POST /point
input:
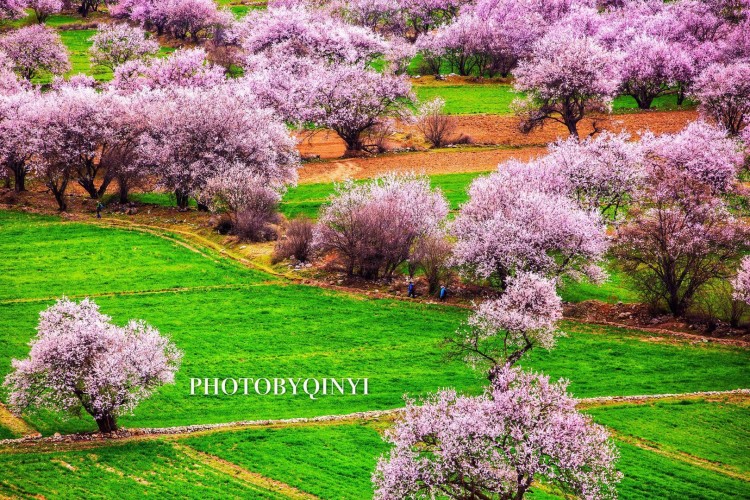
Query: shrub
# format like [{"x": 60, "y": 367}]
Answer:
[
  {"x": 296, "y": 242},
  {"x": 434, "y": 124}
]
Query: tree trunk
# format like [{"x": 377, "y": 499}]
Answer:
[
  {"x": 123, "y": 189},
  {"x": 106, "y": 423},
  {"x": 182, "y": 199}
]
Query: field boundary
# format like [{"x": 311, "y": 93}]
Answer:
[{"x": 364, "y": 416}]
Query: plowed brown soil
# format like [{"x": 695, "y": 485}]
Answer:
[{"x": 482, "y": 129}]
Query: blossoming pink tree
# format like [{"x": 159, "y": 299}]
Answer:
[
  {"x": 511, "y": 225},
  {"x": 680, "y": 234},
  {"x": 501, "y": 331},
  {"x": 19, "y": 136},
  {"x": 45, "y": 8},
  {"x": 185, "y": 68},
  {"x": 723, "y": 91},
  {"x": 35, "y": 49},
  {"x": 9, "y": 81},
  {"x": 567, "y": 76},
  {"x": 115, "y": 44},
  {"x": 194, "y": 133},
  {"x": 80, "y": 360},
  {"x": 371, "y": 228},
  {"x": 741, "y": 282},
  {"x": 12, "y": 9},
  {"x": 523, "y": 429},
  {"x": 193, "y": 19}
]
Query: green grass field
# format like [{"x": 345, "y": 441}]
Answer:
[
  {"x": 234, "y": 328},
  {"x": 496, "y": 99},
  {"x": 692, "y": 449}
]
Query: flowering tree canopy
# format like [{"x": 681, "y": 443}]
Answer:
[
  {"x": 523, "y": 429},
  {"x": 12, "y": 9},
  {"x": 19, "y": 135},
  {"x": 567, "y": 76},
  {"x": 741, "y": 282},
  {"x": 81, "y": 360},
  {"x": 196, "y": 133},
  {"x": 185, "y": 68},
  {"x": 35, "y": 49},
  {"x": 510, "y": 225},
  {"x": 724, "y": 93},
  {"x": 372, "y": 227},
  {"x": 45, "y": 8},
  {"x": 502, "y": 330},
  {"x": 181, "y": 18},
  {"x": 680, "y": 233},
  {"x": 116, "y": 44}
]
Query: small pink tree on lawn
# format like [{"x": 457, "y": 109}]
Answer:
[
  {"x": 116, "y": 44},
  {"x": 19, "y": 136},
  {"x": 568, "y": 76},
  {"x": 45, "y": 8},
  {"x": 502, "y": 330},
  {"x": 35, "y": 49},
  {"x": 80, "y": 360},
  {"x": 523, "y": 429}
]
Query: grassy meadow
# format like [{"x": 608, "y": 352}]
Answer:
[{"x": 235, "y": 322}]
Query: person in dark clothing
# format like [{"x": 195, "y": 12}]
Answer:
[
  {"x": 443, "y": 292},
  {"x": 99, "y": 208},
  {"x": 410, "y": 290}
]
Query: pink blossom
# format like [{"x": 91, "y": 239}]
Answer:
[
  {"x": 524, "y": 428},
  {"x": 741, "y": 282},
  {"x": 567, "y": 76},
  {"x": 183, "y": 68},
  {"x": 724, "y": 93},
  {"x": 12, "y": 9},
  {"x": 79, "y": 360},
  {"x": 35, "y": 49},
  {"x": 116, "y": 44},
  {"x": 45, "y": 8}
]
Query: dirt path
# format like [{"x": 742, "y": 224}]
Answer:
[
  {"x": 265, "y": 484},
  {"x": 85, "y": 441},
  {"x": 503, "y": 130},
  {"x": 442, "y": 161}
]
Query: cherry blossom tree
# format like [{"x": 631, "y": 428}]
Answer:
[
  {"x": 84, "y": 7},
  {"x": 679, "y": 236},
  {"x": 650, "y": 67},
  {"x": 724, "y": 93},
  {"x": 523, "y": 429},
  {"x": 193, "y": 19},
  {"x": 305, "y": 33},
  {"x": 600, "y": 172},
  {"x": 431, "y": 253},
  {"x": 19, "y": 136},
  {"x": 567, "y": 76},
  {"x": 75, "y": 127},
  {"x": 702, "y": 151},
  {"x": 372, "y": 227},
  {"x": 80, "y": 360},
  {"x": 741, "y": 282},
  {"x": 35, "y": 49},
  {"x": 116, "y": 44},
  {"x": 12, "y": 9},
  {"x": 185, "y": 68},
  {"x": 195, "y": 133},
  {"x": 511, "y": 225},
  {"x": 45, "y": 8},
  {"x": 503, "y": 330},
  {"x": 9, "y": 81}
]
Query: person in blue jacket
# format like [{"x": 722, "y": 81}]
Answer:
[
  {"x": 410, "y": 289},
  {"x": 443, "y": 292}
]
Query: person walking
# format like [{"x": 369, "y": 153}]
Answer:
[
  {"x": 443, "y": 292},
  {"x": 99, "y": 208},
  {"x": 410, "y": 290}
]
